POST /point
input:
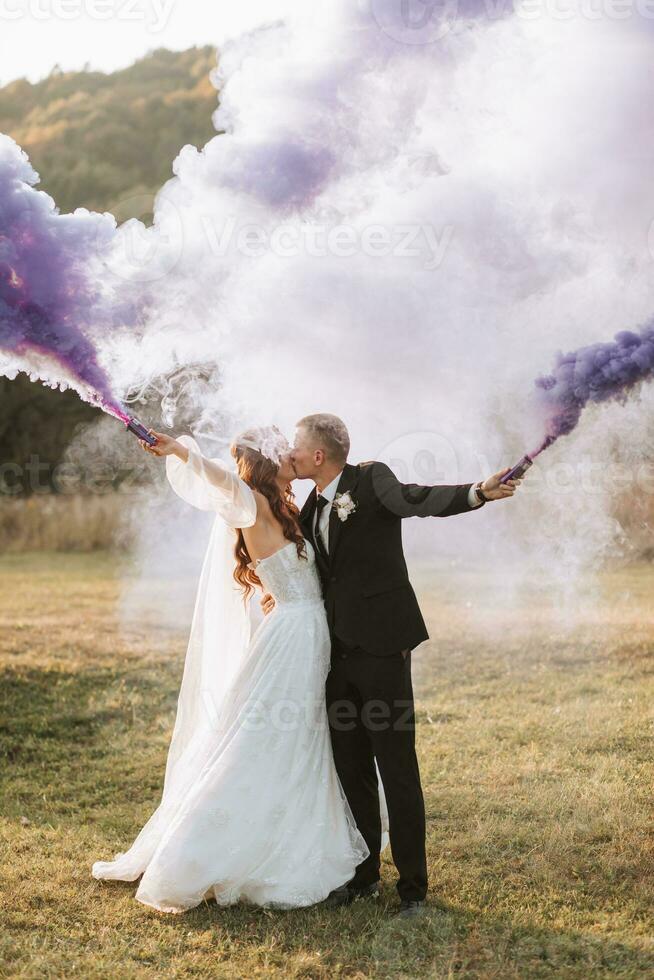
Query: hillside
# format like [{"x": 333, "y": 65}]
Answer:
[{"x": 97, "y": 139}]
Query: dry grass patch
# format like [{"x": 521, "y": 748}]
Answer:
[{"x": 535, "y": 751}]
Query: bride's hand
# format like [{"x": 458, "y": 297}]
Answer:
[
  {"x": 267, "y": 603},
  {"x": 165, "y": 446}
]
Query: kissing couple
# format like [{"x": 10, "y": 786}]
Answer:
[{"x": 271, "y": 792}]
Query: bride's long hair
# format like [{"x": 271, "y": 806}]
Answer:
[{"x": 260, "y": 472}]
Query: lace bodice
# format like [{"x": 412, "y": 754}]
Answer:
[{"x": 288, "y": 577}]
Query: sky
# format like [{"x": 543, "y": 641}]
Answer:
[{"x": 36, "y": 35}]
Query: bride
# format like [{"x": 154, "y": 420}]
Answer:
[{"x": 252, "y": 808}]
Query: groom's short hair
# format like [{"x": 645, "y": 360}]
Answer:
[{"x": 331, "y": 432}]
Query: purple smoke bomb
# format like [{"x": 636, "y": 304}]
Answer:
[
  {"x": 520, "y": 468},
  {"x": 133, "y": 425},
  {"x": 51, "y": 302},
  {"x": 593, "y": 374}
]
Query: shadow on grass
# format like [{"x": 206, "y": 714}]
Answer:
[
  {"x": 67, "y": 707},
  {"x": 444, "y": 942},
  {"x": 77, "y": 738}
]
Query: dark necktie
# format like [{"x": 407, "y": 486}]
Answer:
[{"x": 320, "y": 544}]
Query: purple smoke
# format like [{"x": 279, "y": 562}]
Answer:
[
  {"x": 50, "y": 304},
  {"x": 597, "y": 373}
]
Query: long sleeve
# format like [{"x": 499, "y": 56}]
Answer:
[
  {"x": 208, "y": 485},
  {"x": 472, "y": 498},
  {"x": 413, "y": 500}
]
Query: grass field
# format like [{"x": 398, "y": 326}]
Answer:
[{"x": 536, "y": 754}]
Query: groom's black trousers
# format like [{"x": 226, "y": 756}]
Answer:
[{"x": 371, "y": 716}]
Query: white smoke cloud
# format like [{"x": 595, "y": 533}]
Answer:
[{"x": 404, "y": 234}]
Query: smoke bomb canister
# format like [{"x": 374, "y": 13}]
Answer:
[
  {"x": 519, "y": 469},
  {"x": 140, "y": 430}
]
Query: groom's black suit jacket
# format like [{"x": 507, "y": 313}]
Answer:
[{"x": 368, "y": 597}]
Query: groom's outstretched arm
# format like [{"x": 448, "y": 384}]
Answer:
[{"x": 414, "y": 500}]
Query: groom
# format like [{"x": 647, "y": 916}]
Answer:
[{"x": 353, "y": 518}]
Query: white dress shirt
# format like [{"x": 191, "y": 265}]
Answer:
[{"x": 330, "y": 492}]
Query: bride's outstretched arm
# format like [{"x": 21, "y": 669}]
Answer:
[{"x": 202, "y": 482}]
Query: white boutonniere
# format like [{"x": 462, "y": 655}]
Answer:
[{"x": 344, "y": 505}]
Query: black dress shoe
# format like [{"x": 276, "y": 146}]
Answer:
[
  {"x": 410, "y": 908},
  {"x": 347, "y": 894}
]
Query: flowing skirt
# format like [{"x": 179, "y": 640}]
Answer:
[{"x": 258, "y": 813}]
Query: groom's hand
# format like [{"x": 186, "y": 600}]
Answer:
[
  {"x": 267, "y": 603},
  {"x": 495, "y": 489}
]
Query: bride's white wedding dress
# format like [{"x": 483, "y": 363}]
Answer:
[{"x": 252, "y": 808}]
